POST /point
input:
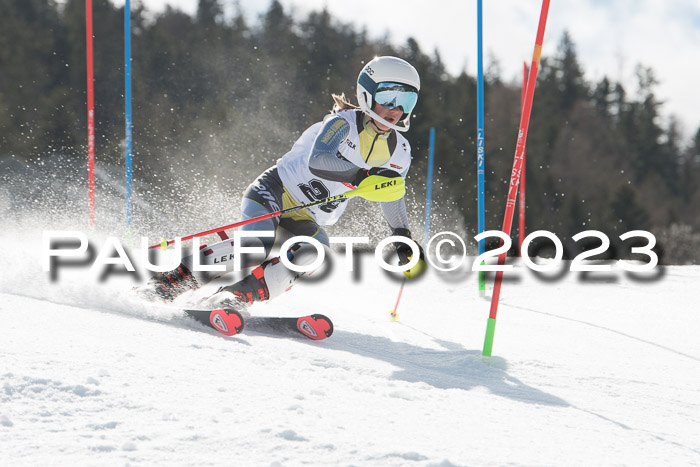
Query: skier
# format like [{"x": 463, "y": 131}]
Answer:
[{"x": 331, "y": 157}]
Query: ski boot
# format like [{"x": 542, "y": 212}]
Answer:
[
  {"x": 241, "y": 295},
  {"x": 167, "y": 286}
]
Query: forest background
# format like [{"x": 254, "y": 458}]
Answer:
[{"x": 216, "y": 100}]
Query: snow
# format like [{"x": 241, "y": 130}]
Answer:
[{"x": 597, "y": 369}]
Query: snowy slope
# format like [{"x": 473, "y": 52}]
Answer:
[{"x": 601, "y": 371}]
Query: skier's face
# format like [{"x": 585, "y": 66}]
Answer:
[{"x": 390, "y": 115}]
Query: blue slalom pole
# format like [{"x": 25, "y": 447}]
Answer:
[
  {"x": 480, "y": 154},
  {"x": 429, "y": 192},
  {"x": 127, "y": 106}
]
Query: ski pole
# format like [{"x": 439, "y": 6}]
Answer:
[
  {"x": 394, "y": 316},
  {"x": 373, "y": 188}
]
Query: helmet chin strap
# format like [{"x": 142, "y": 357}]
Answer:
[
  {"x": 375, "y": 126},
  {"x": 374, "y": 116}
]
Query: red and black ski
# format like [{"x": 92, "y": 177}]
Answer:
[
  {"x": 230, "y": 322},
  {"x": 314, "y": 327},
  {"x": 227, "y": 321}
]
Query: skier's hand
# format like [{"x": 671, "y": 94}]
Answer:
[
  {"x": 380, "y": 171},
  {"x": 379, "y": 184},
  {"x": 405, "y": 254}
]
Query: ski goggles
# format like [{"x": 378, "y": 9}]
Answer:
[{"x": 392, "y": 95}]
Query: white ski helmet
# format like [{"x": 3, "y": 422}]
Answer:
[{"x": 391, "y": 82}]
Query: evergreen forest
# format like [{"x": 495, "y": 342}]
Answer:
[{"x": 229, "y": 96}]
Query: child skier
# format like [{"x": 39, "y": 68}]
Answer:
[{"x": 330, "y": 158}]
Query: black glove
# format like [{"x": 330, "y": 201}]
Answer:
[
  {"x": 381, "y": 171},
  {"x": 403, "y": 250}
]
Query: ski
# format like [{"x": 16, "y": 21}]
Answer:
[
  {"x": 314, "y": 327},
  {"x": 230, "y": 322},
  {"x": 227, "y": 321}
]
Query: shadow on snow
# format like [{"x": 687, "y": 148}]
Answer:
[{"x": 452, "y": 368}]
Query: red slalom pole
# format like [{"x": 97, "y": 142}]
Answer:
[
  {"x": 515, "y": 174},
  {"x": 90, "y": 114},
  {"x": 521, "y": 198}
]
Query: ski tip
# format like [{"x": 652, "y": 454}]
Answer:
[
  {"x": 227, "y": 321},
  {"x": 315, "y": 327}
]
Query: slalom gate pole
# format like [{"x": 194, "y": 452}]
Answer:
[
  {"x": 521, "y": 197},
  {"x": 127, "y": 107},
  {"x": 370, "y": 191},
  {"x": 90, "y": 114},
  {"x": 515, "y": 175},
  {"x": 480, "y": 154},
  {"x": 429, "y": 189}
]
